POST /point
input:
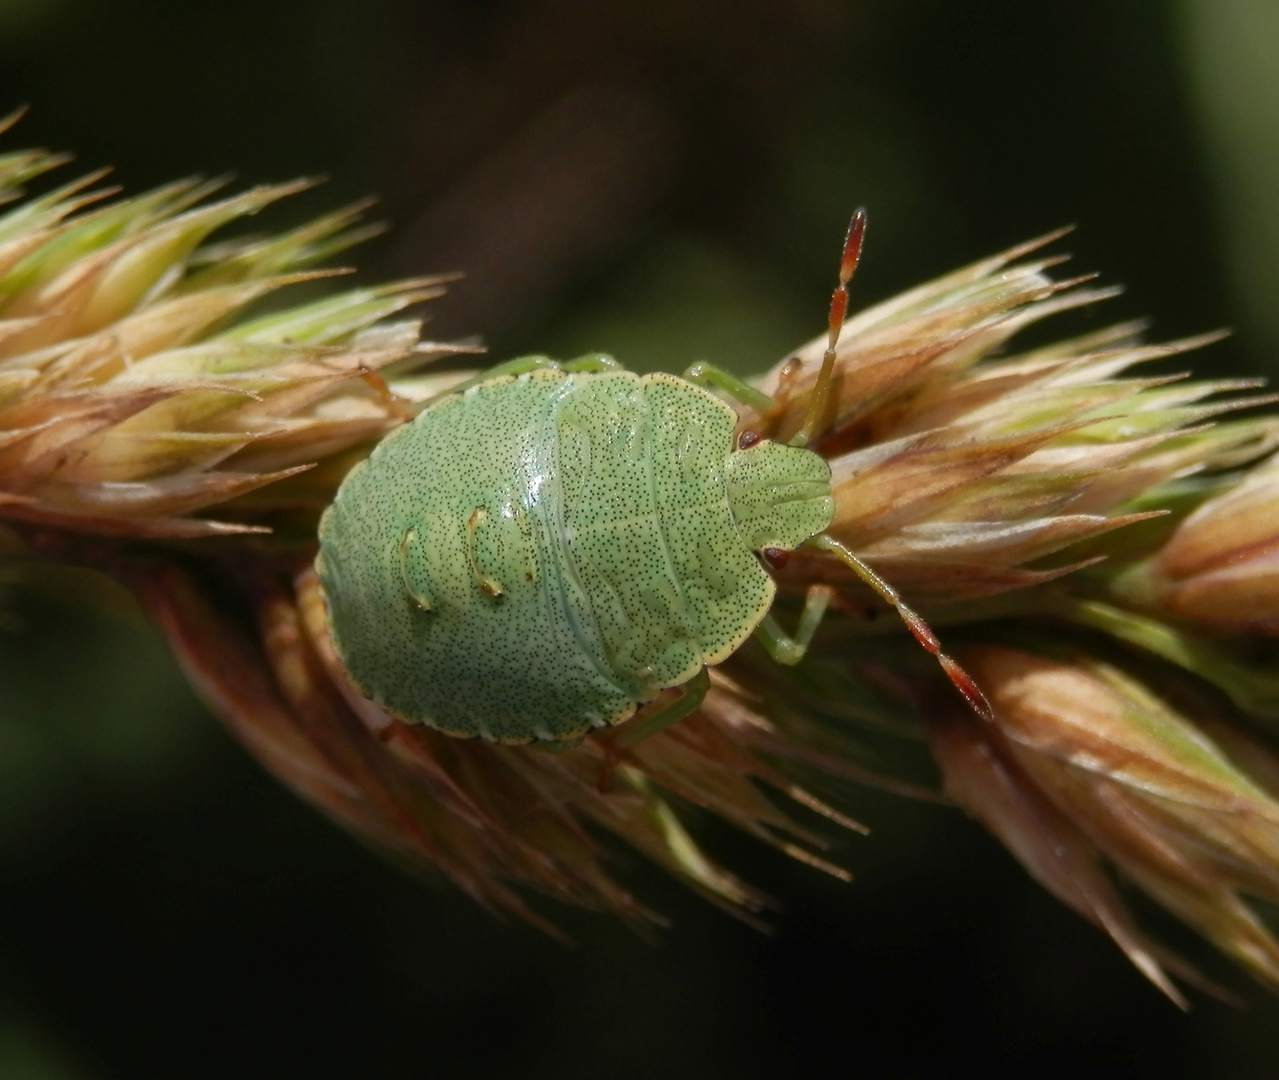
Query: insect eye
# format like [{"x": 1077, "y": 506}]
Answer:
[
  {"x": 776, "y": 558},
  {"x": 747, "y": 439}
]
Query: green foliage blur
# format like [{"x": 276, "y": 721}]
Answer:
[{"x": 668, "y": 182}]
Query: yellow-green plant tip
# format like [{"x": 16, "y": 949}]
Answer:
[{"x": 327, "y": 321}]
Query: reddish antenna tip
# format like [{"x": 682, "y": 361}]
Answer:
[
  {"x": 834, "y": 324},
  {"x": 852, "y": 246}
]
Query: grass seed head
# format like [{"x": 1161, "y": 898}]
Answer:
[
  {"x": 1221, "y": 565},
  {"x": 1078, "y": 524},
  {"x": 1086, "y": 766}
]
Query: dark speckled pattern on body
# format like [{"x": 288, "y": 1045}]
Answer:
[{"x": 536, "y": 556}]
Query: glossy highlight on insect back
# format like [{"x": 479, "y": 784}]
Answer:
[{"x": 540, "y": 554}]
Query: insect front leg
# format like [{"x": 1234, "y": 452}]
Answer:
[
  {"x": 790, "y": 650},
  {"x": 716, "y": 378}
]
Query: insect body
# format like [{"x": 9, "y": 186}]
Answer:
[{"x": 542, "y": 553}]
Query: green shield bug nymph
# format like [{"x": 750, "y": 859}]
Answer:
[{"x": 541, "y": 551}]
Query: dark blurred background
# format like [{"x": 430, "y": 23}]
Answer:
[{"x": 667, "y": 181}]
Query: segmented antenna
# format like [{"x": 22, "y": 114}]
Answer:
[
  {"x": 960, "y": 679},
  {"x": 834, "y": 323}
]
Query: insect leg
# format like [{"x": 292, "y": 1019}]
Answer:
[
  {"x": 645, "y": 726},
  {"x": 716, "y": 378},
  {"x": 790, "y": 650},
  {"x": 592, "y": 362},
  {"x": 914, "y": 623},
  {"x": 519, "y": 366}
]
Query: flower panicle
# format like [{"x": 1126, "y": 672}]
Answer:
[
  {"x": 137, "y": 387},
  {"x": 1091, "y": 532},
  {"x": 1086, "y": 765}
]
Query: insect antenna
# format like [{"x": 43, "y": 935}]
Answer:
[
  {"x": 962, "y": 681},
  {"x": 915, "y": 623},
  {"x": 834, "y": 323}
]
